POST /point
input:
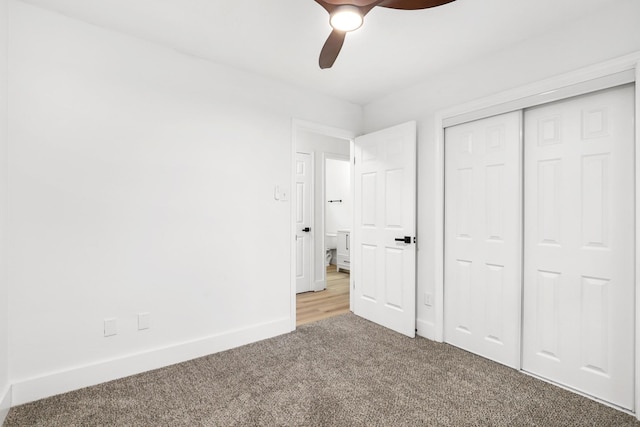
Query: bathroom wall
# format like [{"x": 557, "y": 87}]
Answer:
[
  {"x": 319, "y": 145},
  {"x": 338, "y": 183}
]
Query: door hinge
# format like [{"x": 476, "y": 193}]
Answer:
[{"x": 354, "y": 160}]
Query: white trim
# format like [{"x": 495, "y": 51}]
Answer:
[
  {"x": 298, "y": 125},
  {"x": 292, "y": 229},
  {"x": 637, "y": 246},
  {"x": 520, "y": 238},
  {"x": 303, "y": 125},
  {"x": 438, "y": 270},
  {"x": 312, "y": 222},
  {"x": 544, "y": 87},
  {"x": 5, "y": 404},
  {"x": 426, "y": 329},
  {"x": 322, "y": 283},
  {"x": 352, "y": 162},
  {"x": 30, "y": 389},
  {"x": 551, "y": 95},
  {"x": 614, "y": 72}
]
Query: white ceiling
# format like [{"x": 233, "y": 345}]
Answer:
[{"x": 282, "y": 38}]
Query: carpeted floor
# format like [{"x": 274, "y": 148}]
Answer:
[{"x": 343, "y": 371}]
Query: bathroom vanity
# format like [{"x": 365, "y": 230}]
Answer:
[{"x": 342, "y": 250}]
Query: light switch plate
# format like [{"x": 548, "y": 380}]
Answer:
[{"x": 281, "y": 193}]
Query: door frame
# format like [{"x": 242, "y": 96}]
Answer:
[
  {"x": 297, "y": 126},
  {"x": 615, "y": 72}
]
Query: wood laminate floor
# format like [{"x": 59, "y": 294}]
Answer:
[{"x": 314, "y": 306}]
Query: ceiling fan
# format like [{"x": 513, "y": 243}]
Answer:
[{"x": 348, "y": 15}]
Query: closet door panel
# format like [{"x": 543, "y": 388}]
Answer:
[
  {"x": 579, "y": 244},
  {"x": 483, "y": 170}
]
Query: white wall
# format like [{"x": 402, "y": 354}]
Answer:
[
  {"x": 605, "y": 35},
  {"x": 338, "y": 187},
  {"x": 142, "y": 180},
  {"x": 320, "y": 145},
  {"x": 4, "y": 289}
]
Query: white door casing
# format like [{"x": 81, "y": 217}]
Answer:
[
  {"x": 384, "y": 269},
  {"x": 579, "y": 244},
  {"x": 483, "y": 244},
  {"x": 303, "y": 218}
]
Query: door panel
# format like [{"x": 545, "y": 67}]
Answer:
[
  {"x": 579, "y": 244},
  {"x": 303, "y": 202},
  {"x": 385, "y": 209},
  {"x": 483, "y": 237}
]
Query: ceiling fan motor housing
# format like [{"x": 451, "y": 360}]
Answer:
[{"x": 346, "y": 18}]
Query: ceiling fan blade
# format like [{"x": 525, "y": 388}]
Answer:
[
  {"x": 412, "y": 4},
  {"x": 331, "y": 48},
  {"x": 364, "y": 5},
  {"x": 357, "y": 3},
  {"x": 329, "y": 7}
]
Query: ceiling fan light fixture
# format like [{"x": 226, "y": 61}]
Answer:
[{"x": 346, "y": 18}]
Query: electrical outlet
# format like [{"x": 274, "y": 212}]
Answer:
[
  {"x": 110, "y": 327},
  {"x": 143, "y": 321},
  {"x": 428, "y": 299}
]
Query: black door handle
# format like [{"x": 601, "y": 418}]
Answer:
[
  {"x": 306, "y": 229},
  {"x": 405, "y": 239}
]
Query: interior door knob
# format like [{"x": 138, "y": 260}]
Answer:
[
  {"x": 405, "y": 239},
  {"x": 306, "y": 229}
]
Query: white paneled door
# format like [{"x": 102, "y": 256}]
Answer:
[
  {"x": 483, "y": 243},
  {"x": 303, "y": 200},
  {"x": 384, "y": 250},
  {"x": 579, "y": 244}
]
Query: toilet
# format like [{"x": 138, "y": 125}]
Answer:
[{"x": 330, "y": 242}]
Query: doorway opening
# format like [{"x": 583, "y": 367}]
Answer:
[
  {"x": 322, "y": 216},
  {"x": 336, "y": 201}
]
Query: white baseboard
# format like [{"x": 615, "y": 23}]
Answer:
[
  {"x": 426, "y": 329},
  {"x": 5, "y": 404},
  {"x": 31, "y": 389}
]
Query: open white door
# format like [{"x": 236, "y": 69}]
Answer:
[
  {"x": 384, "y": 250},
  {"x": 303, "y": 202}
]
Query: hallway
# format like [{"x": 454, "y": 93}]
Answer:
[{"x": 333, "y": 301}]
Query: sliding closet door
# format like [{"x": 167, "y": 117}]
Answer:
[
  {"x": 579, "y": 244},
  {"x": 483, "y": 282}
]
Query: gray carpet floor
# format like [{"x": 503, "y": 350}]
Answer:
[{"x": 343, "y": 371}]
